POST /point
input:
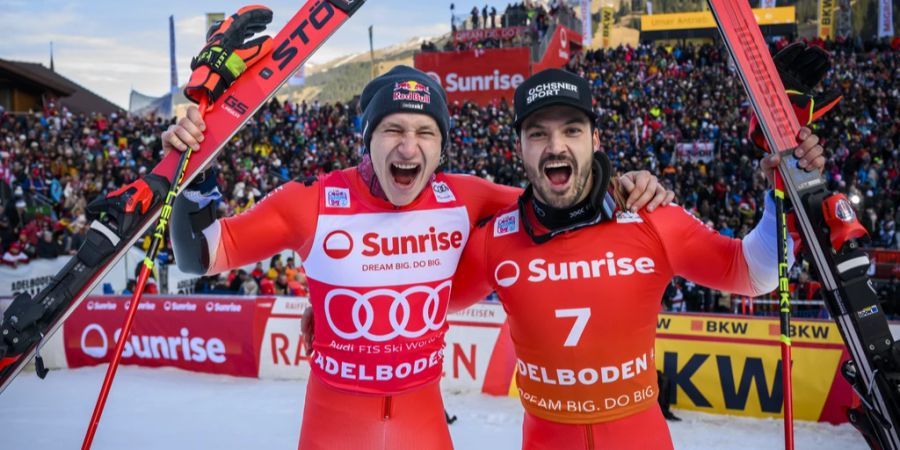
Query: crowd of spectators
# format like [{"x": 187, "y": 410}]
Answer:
[
  {"x": 283, "y": 277},
  {"x": 648, "y": 99},
  {"x": 529, "y": 22}
]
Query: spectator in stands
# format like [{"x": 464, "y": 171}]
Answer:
[
  {"x": 6, "y": 230},
  {"x": 673, "y": 297},
  {"x": 249, "y": 286},
  {"x": 204, "y": 285},
  {"x": 238, "y": 278},
  {"x": 281, "y": 284},
  {"x": 129, "y": 286},
  {"x": 258, "y": 272},
  {"x": 276, "y": 269},
  {"x": 289, "y": 268},
  {"x": 806, "y": 288},
  {"x": 648, "y": 100},
  {"x": 298, "y": 285},
  {"x": 266, "y": 286},
  {"x": 48, "y": 247},
  {"x": 14, "y": 256}
]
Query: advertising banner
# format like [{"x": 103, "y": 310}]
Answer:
[
  {"x": 826, "y": 19},
  {"x": 559, "y": 49},
  {"x": 732, "y": 365},
  {"x": 704, "y": 19},
  {"x": 480, "y": 34},
  {"x": 480, "y": 75},
  {"x": 201, "y": 334},
  {"x": 721, "y": 364},
  {"x": 606, "y": 23},
  {"x": 695, "y": 151}
]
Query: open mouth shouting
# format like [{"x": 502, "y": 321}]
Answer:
[
  {"x": 559, "y": 174},
  {"x": 404, "y": 174}
]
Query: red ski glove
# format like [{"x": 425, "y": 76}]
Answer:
[{"x": 226, "y": 54}]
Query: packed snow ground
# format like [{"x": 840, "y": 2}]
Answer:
[{"x": 173, "y": 409}]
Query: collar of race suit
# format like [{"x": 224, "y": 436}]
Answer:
[{"x": 367, "y": 173}]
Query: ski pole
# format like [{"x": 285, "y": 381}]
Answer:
[
  {"x": 784, "y": 315},
  {"x": 152, "y": 252}
]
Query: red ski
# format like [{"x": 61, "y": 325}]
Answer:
[
  {"x": 829, "y": 228},
  {"x": 29, "y": 320}
]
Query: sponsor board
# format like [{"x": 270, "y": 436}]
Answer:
[
  {"x": 481, "y": 34},
  {"x": 559, "y": 49},
  {"x": 202, "y": 334},
  {"x": 482, "y": 76},
  {"x": 732, "y": 365},
  {"x": 716, "y": 363},
  {"x": 704, "y": 19}
]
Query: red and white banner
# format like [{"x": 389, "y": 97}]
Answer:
[
  {"x": 201, "y": 334},
  {"x": 489, "y": 33},
  {"x": 695, "y": 151},
  {"x": 261, "y": 337},
  {"x": 480, "y": 75},
  {"x": 256, "y": 337},
  {"x": 559, "y": 49}
]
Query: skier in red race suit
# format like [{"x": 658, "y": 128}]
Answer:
[
  {"x": 380, "y": 244},
  {"x": 581, "y": 279}
]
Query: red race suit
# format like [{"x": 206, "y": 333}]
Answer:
[
  {"x": 380, "y": 278},
  {"x": 582, "y": 311}
]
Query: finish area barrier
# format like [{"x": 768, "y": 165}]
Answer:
[{"x": 715, "y": 363}]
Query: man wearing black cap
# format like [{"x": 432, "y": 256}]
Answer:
[
  {"x": 380, "y": 243},
  {"x": 581, "y": 278}
]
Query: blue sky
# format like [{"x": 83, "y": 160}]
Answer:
[{"x": 110, "y": 46}]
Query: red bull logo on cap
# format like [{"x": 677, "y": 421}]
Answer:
[{"x": 412, "y": 91}]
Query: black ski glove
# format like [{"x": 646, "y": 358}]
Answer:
[{"x": 801, "y": 69}]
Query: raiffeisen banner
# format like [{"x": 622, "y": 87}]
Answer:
[{"x": 479, "y": 75}]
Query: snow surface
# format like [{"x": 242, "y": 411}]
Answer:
[{"x": 173, "y": 409}]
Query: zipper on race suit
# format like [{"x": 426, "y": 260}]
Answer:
[
  {"x": 589, "y": 437},
  {"x": 386, "y": 410}
]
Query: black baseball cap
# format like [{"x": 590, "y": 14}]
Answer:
[{"x": 552, "y": 87}]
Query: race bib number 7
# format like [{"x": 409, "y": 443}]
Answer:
[{"x": 581, "y": 316}]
